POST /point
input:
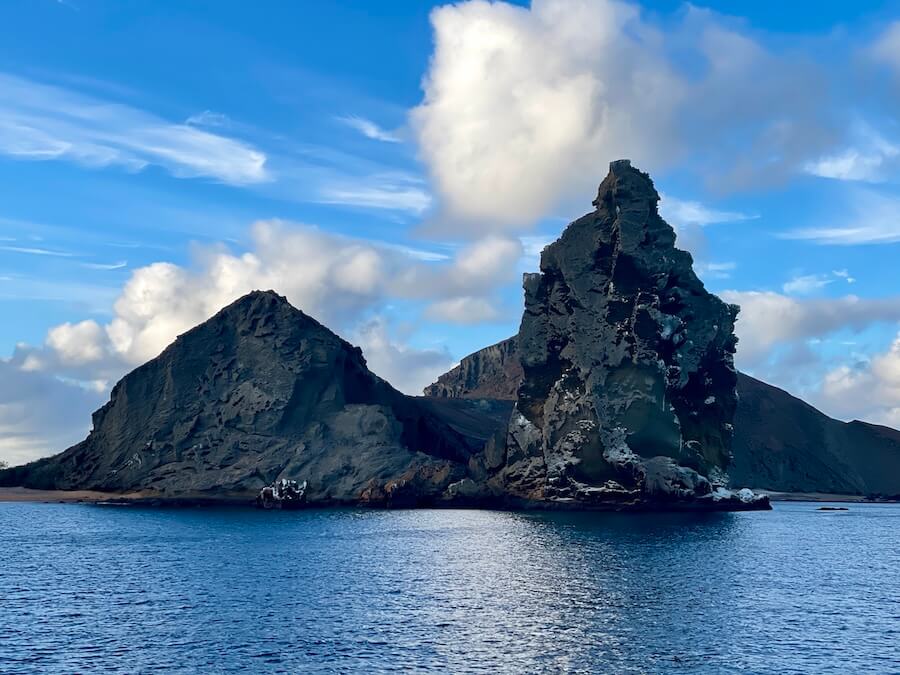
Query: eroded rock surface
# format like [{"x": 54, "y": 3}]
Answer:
[
  {"x": 627, "y": 390},
  {"x": 259, "y": 394},
  {"x": 780, "y": 443},
  {"x": 490, "y": 373}
]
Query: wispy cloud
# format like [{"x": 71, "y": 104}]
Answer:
[
  {"x": 845, "y": 275},
  {"x": 29, "y": 250},
  {"x": 209, "y": 118},
  {"x": 871, "y": 158},
  {"x": 106, "y": 266},
  {"x": 42, "y": 122},
  {"x": 685, "y": 212},
  {"x": 715, "y": 270},
  {"x": 417, "y": 253},
  {"x": 805, "y": 284},
  {"x": 369, "y": 129},
  {"x": 464, "y": 310},
  {"x": 390, "y": 191},
  {"x": 874, "y": 219},
  {"x": 403, "y": 199}
]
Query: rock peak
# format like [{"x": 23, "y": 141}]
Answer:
[
  {"x": 625, "y": 186},
  {"x": 260, "y": 304},
  {"x": 628, "y": 388},
  {"x": 258, "y": 296}
]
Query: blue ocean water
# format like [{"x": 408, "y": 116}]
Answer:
[{"x": 120, "y": 589}]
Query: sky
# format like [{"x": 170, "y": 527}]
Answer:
[{"x": 394, "y": 168}]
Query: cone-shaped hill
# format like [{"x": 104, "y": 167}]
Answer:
[{"x": 257, "y": 393}]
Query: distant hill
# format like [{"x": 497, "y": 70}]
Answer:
[{"x": 782, "y": 443}]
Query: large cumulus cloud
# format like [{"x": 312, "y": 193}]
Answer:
[{"x": 522, "y": 106}]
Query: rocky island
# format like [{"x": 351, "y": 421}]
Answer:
[{"x": 619, "y": 392}]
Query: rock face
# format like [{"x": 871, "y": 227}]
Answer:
[
  {"x": 262, "y": 393},
  {"x": 628, "y": 389},
  {"x": 491, "y": 373},
  {"x": 780, "y": 443},
  {"x": 465, "y": 381}
]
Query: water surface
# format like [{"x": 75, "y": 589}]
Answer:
[{"x": 120, "y": 589}]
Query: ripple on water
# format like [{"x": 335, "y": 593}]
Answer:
[{"x": 123, "y": 590}]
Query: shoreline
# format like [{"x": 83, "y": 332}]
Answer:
[
  {"x": 151, "y": 498},
  {"x": 20, "y": 494}
]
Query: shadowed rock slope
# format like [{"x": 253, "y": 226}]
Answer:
[
  {"x": 780, "y": 443},
  {"x": 627, "y": 390},
  {"x": 262, "y": 392},
  {"x": 784, "y": 444}
]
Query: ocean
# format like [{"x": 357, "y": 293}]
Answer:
[{"x": 86, "y": 588}]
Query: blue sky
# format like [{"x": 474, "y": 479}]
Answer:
[{"x": 394, "y": 167}]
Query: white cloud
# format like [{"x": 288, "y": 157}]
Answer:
[
  {"x": 679, "y": 212},
  {"x": 33, "y": 250},
  {"x": 806, "y": 284},
  {"x": 77, "y": 344},
  {"x": 465, "y": 310},
  {"x": 406, "y": 368},
  {"x": 208, "y": 118},
  {"x": 872, "y": 158},
  {"x": 485, "y": 263},
  {"x": 336, "y": 279},
  {"x": 845, "y": 275},
  {"x": 379, "y": 196},
  {"x": 418, "y": 253},
  {"x": 523, "y": 107},
  {"x": 369, "y": 129},
  {"x": 768, "y": 320},
  {"x": 850, "y": 165},
  {"x": 39, "y": 414},
  {"x": 122, "y": 264},
  {"x": 714, "y": 270},
  {"x": 873, "y": 218},
  {"x": 42, "y": 122},
  {"x": 346, "y": 283},
  {"x": 869, "y": 391}
]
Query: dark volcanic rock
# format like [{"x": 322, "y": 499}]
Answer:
[
  {"x": 628, "y": 389},
  {"x": 499, "y": 376},
  {"x": 490, "y": 373},
  {"x": 780, "y": 443},
  {"x": 784, "y": 444},
  {"x": 260, "y": 393}
]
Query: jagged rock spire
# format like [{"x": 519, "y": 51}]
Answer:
[{"x": 629, "y": 383}]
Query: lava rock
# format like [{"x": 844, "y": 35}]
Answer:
[
  {"x": 259, "y": 394},
  {"x": 781, "y": 443},
  {"x": 628, "y": 374},
  {"x": 625, "y": 383},
  {"x": 490, "y": 373}
]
